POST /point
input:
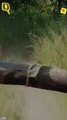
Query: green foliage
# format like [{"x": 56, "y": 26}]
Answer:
[
  {"x": 51, "y": 49},
  {"x": 29, "y": 19}
]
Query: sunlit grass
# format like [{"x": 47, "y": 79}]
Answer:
[{"x": 51, "y": 50}]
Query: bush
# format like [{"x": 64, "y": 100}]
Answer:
[{"x": 52, "y": 49}]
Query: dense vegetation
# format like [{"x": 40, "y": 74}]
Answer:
[{"x": 33, "y": 32}]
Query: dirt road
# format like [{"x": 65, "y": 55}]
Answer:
[{"x": 24, "y": 103}]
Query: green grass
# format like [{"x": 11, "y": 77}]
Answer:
[{"x": 51, "y": 49}]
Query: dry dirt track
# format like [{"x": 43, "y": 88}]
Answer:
[{"x": 26, "y": 103}]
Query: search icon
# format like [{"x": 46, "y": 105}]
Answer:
[{"x": 6, "y": 7}]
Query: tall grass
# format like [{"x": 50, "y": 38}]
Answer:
[{"x": 51, "y": 49}]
